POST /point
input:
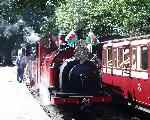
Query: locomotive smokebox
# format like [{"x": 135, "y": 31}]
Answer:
[
  {"x": 85, "y": 78},
  {"x": 76, "y": 77}
]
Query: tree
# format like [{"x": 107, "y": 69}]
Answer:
[
  {"x": 14, "y": 18},
  {"x": 105, "y": 17},
  {"x": 10, "y": 35},
  {"x": 11, "y": 38},
  {"x": 39, "y": 14}
]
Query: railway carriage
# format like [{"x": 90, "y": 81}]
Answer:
[{"x": 126, "y": 68}]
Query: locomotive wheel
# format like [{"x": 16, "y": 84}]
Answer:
[
  {"x": 130, "y": 100},
  {"x": 135, "y": 118},
  {"x": 86, "y": 112}
]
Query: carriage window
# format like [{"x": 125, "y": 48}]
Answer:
[
  {"x": 126, "y": 58},
  {"x": 115, "y": 57},
  {"x": 109, "y": 56},
  {"x": 134, "y": 58},
  {"x": 126, "y": 54},
  {"x": 120, "y": 56},
  {"x": 104, "y": 56},
  {"x": 144, "y": 57},
  {"x": 123, "y": 57}
]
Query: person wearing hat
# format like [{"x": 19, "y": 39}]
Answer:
[{"x": 91, "y": 41}]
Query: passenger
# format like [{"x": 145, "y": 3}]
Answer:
[
  {"x": 126, "y": 62},
  {"x": 21, "y": 63}
]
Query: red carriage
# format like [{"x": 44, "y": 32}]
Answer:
[{"x": 126, "y": 68}]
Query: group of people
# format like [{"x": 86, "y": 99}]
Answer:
[{"x": 71, "y": 39}]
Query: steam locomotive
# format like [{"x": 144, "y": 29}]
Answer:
[{"x": 62, "y": 76}]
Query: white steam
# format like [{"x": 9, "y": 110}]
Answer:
[{"x": 30, "y": 35}]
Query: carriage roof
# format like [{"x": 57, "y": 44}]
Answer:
[{"x": 138, "y": 40}]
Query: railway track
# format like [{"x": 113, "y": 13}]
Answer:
[{"x": 86, "y": 112}]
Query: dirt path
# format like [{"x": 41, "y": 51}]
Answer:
[{"x": 16, "y": 103}]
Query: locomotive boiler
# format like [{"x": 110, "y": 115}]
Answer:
[{"x": 65, "y": 76}]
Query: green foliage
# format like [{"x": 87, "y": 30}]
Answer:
[
  {"x": 10, "y": 29},
  {"x": 105, "y": 17},
  {"x": 40, "y": 14}
]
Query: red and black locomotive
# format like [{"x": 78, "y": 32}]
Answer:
[{"x": 63, "y": 76}]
